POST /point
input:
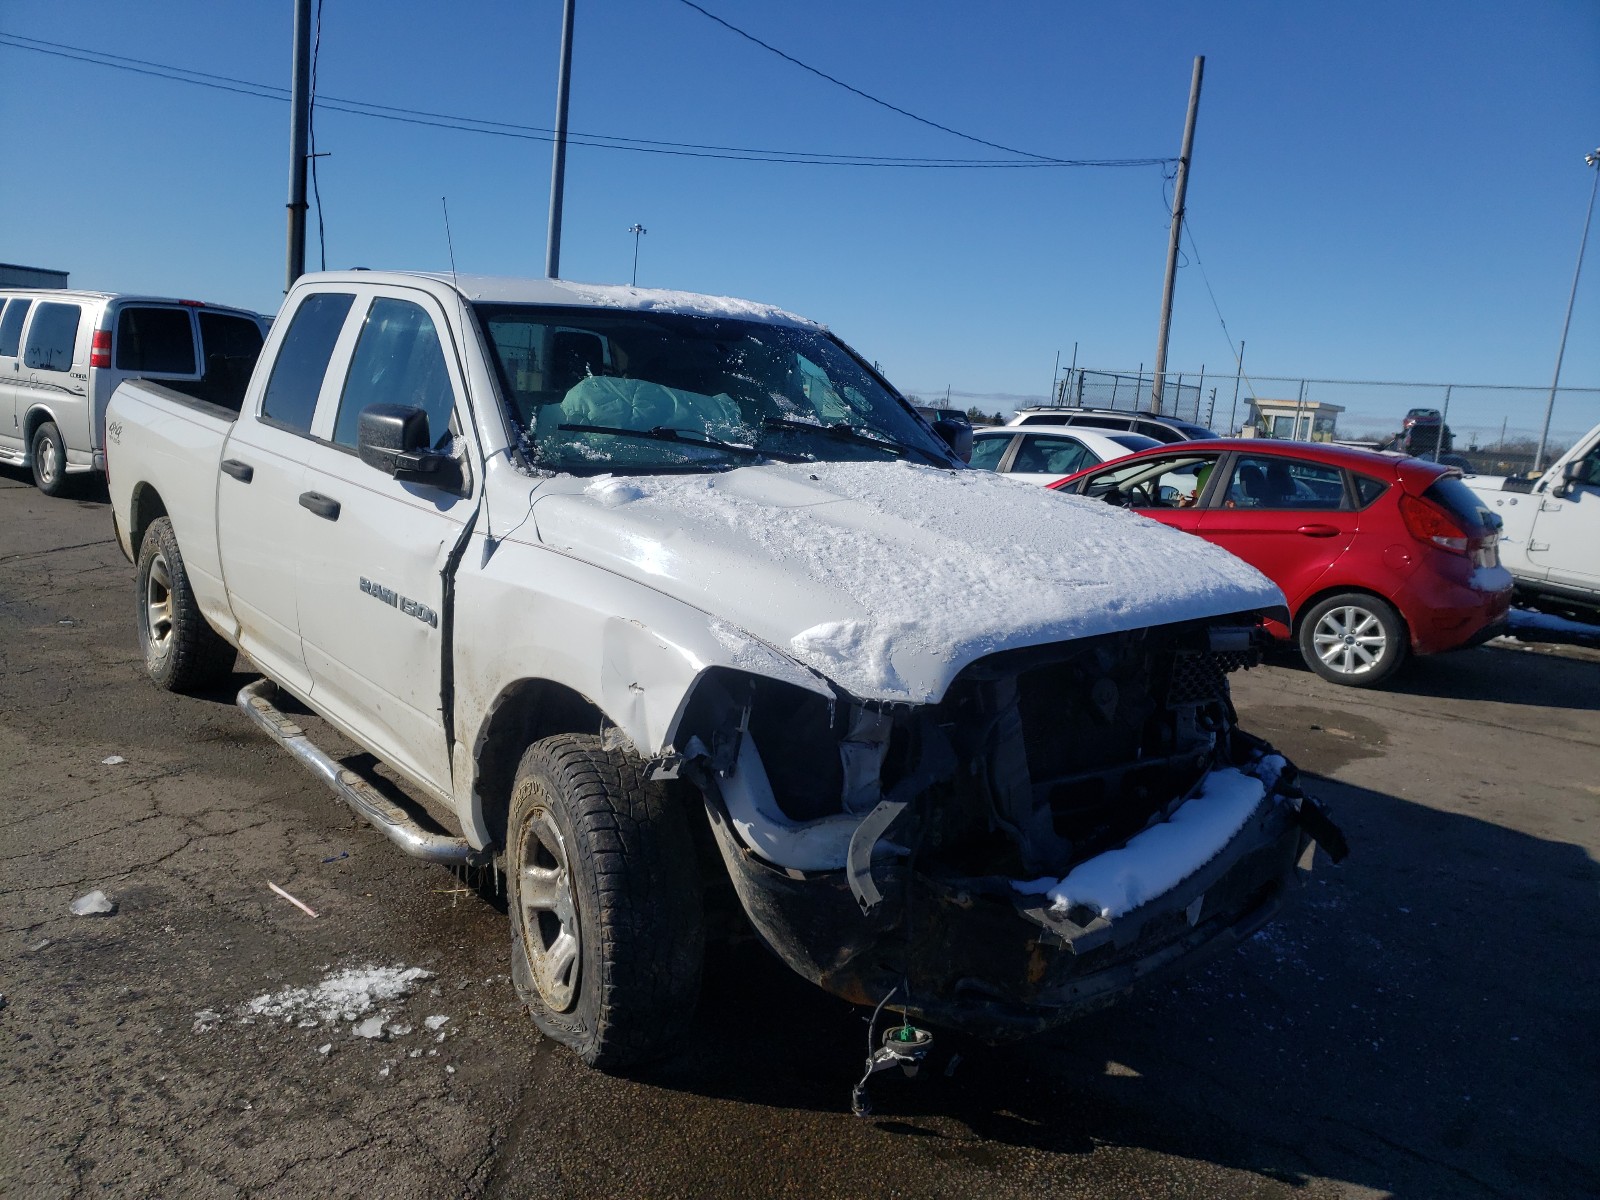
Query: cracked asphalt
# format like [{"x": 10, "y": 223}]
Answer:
[{"x": 1421, "y": 1021}]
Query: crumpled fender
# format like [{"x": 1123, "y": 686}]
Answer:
[{"x": 632, "y": 652}]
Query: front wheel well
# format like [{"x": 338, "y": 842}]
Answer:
[{"x": 525, "y": 712}]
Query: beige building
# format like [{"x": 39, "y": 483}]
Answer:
[{"x": 1295, "y": 420}]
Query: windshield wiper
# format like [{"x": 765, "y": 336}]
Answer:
[
  {"x": 665, "y": 433},
  {"x": 843, "y": 431}
]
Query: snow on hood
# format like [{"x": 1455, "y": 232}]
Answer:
[{"x": 889, "y": 578}]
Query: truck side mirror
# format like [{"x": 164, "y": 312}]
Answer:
[
  {"x": 957, "y": 436},
  {"x": 393, "y": 438},
  {"x": 1571, "y": 474}
]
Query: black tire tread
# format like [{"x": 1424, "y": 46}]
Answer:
[
  {"x": 1401, "y": 642},
  {"x": 200, "y": 655},
  {"x": 648, "y": 920},
  {"x": 62, "y": 482}
]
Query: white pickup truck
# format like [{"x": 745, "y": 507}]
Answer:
[
  {"x": 1550, "y": 534},
  {"x": 645, "y": 591}
]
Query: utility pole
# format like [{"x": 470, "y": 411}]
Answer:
[
  {"x": 299, "y": 136},
  {"x": 1593, "y": 160},
  {"x": 636, "y": 229},
  {"x": 1238, "y": 374},
  {"x": 1055, "y": 376},
  {"x": 1179, "y": 187},
  {"x": 558, "y": 156}
]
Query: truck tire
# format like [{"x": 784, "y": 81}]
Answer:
[
  {"x": 603, "y": 891},
  {"x": 1354, "y": 639},
  {"x": 48, "y": 454},
  {"x": 181, "y": 652}
]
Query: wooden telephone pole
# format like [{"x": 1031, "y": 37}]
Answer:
[{"x": 1179, "y": 188}]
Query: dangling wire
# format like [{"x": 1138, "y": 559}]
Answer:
[
  {"x": 858, "y": 1094},
  {"x": 311, "y": 124}
]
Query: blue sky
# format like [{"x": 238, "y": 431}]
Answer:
[{"x": 1379, "y": 191}]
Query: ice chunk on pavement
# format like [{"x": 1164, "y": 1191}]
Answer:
[
  {"x": 434, "y": 1023},
  {"x": 399, "y": 1030},
  {"x": 372, "y": 1027},
  {"x": 345, "y": 995},
  {"x": 112, "y": 760},
  {"x": 205, "y": 1021},
  {"x": 325, "y": 1049},
  {"x": 95, "y": 903}
]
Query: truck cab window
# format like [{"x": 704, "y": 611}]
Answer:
[
  {"x": 303, "y": 360},
  {"x": 398, "y": 360}
]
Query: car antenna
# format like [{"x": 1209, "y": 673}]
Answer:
[{"x": 489, "y": 540}]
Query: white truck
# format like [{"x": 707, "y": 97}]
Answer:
[
  {"x": 1550, "y": 534},
  {"x": 645, "y": 592}
]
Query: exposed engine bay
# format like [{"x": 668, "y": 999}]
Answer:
[{"x": 919, "y": 847}]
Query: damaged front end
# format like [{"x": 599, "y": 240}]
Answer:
[{"x": 1067, "y": 821}]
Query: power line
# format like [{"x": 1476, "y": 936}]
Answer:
[
  {"x": 789, "y": 58},
  {"x": 599, "y": 141}
]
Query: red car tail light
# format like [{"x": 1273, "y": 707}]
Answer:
[
  {"x": 1432, "y": 525},
  {"x": 100, "y": 349}
]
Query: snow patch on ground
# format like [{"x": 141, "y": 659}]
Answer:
[
  {"x": 346, "y": 995},
  {"x": 1530, "y": 626},
  {"x": 1157, "y": 859}
]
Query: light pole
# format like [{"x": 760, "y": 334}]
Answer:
[
  {"x": 1593, "y": 161},
  {"x": 636, "y": 229}
]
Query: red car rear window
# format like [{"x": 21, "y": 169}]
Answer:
[{"x": 1457, "y": 499}]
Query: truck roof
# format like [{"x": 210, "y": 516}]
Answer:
[{"x": 496, "y": 289}]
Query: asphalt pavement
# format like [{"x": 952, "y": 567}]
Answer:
[{"x": 1421, "y": 1021}]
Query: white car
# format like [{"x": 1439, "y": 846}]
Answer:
[{"x": 1045, "y": 453}]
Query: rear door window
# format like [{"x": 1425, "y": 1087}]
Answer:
[
  {"x": 1043, "y": 454},
  {"x": 303, "y": 358},
  {"x": 1278, "y": 482},
  {"x": 157, "y": 341},
  {"x": 52, "y": 336},
  {"x": 988, "y": 451},
  {"x": 1456, "y": 498},
  {"x": 11, "y": 327}
]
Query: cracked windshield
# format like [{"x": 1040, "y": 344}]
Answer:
[{"x": 602, "y": 392}]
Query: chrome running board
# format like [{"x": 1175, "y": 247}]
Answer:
[{"x": 387, "y": 817}]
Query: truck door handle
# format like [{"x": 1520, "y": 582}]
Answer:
[
  {"x": 1318, "y": 530},
  {"x": 323, "y": 506},
  {"x": 242, "y": 471}
]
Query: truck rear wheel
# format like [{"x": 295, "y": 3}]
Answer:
[
  {"x": 602, "y": 887},
  {"x": 48, "y": 454},
  {"x": 181, "y": 652}
]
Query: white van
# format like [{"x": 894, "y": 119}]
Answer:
[{"x": 62, "y": 354}]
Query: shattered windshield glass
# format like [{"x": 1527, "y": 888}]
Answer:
[{"x": 594, "y": 391}]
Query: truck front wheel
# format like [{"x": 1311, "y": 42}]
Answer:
[
  {"x": 603, "y": 890},
  {"x": 181, "y": 652}
]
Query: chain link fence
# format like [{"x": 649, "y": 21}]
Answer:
[{"x": 1495, "y": 429}]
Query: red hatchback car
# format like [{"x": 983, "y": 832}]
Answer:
[{"x": 1378, "y": 555}]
